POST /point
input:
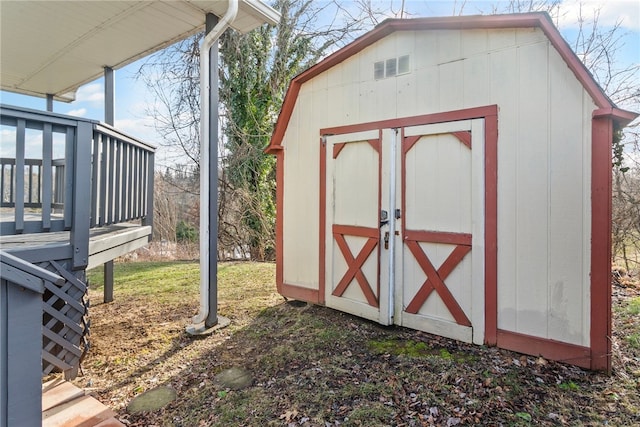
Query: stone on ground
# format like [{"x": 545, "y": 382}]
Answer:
[
  {"x": 152, "y": 400},
  {"x": 234, "y": 378}
]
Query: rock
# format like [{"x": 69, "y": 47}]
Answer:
[
  {"x": 234, "y": 378},
  {"x": 152, "y": 400}
]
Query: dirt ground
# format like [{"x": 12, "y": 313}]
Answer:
[{"x": 314, "y": 366}]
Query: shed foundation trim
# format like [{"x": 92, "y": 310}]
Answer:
[{"x": 549, "y": 349}]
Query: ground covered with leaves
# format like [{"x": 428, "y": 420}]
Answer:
[{"x": 313, "y": 366}]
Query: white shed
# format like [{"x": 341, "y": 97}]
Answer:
[{"x": 453, "y": 175}]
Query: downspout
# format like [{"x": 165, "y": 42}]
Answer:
[{"x": 205, "y": 142}]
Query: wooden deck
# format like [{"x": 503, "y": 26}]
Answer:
[
  {"x": 105, "y": 243},
  {"x": 65, "y": 405}
]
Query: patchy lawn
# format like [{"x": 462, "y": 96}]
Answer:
[{"x": 313, "y": 366}]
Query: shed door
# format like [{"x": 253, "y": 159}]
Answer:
[
  {"x": 440, "y": 285},
  {"x": 353, "y": 185},
  {"x": 434, "y": 176}
]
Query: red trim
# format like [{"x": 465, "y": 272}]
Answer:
[
  {"x": 299, "y": 293},
  {"x": 323, "y": 221},
  {"x": 491, "y": 228},
  {"x": 435, "y": 281},
  {"x": 337, "y": 148},
  {"x": 490, "y": 115},
  {"x": 464, "y": 136},
  {"x": 549, "y": 349},
  {"x": 601, "y": 139},
  {"x": 425, "y": 119},
  {"x": 526, "y": 20},
  {"x": 355, "y": 230},
  {"x": 438, "y": 237},
  {"x": 354, "y": 269},
  {"x": 279, "y": 220},
  {"x": 339, "y": 231},
  {"x": 375, "y": 144},
  {"x": 407, "y": 144},
  {"x": 621, "y": 117}
]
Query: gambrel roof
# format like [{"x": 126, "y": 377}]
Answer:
[{"x": 540, "y": 20}]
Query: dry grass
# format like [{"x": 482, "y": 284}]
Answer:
[{"x": 313, "y": 366}]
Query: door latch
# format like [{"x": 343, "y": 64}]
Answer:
[
  {"x": 384, "y": 218},
  {"x": 386, "y": 240}
]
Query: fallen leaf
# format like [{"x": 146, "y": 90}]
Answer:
[
  {"x": 289, "y": 415},
  {"x": 453, "y": 421}
]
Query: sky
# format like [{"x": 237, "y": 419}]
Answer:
[{"x": 133, "y": 99}]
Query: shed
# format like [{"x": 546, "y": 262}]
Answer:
[{"x": 453, "y": 175}]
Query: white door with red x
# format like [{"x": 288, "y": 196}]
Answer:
[{"x": 405, "y": 227}]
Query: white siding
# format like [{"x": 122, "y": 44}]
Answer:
[{"x": 544, "y": 159}]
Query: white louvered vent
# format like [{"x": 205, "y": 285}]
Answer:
[{"x": 391, "y": 67}]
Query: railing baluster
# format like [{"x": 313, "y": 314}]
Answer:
[
  {"x": 102, "y": 195},
  {"x": 109, "y": 196},
  {"x": 47, "y": 171},
  {"x": 148, "y": 219},
  {"x": 69, "y": 172},
  {"x": 138, "y": 182},
  {"x": 141, "y": 185},
  {"x": 2, "y": 183},
  {"x": 130, "y": 171},
  {"x": 12, "y": 199},
  {"x": 29, "y": 184},
  {"x": 118, "y": 180},
  {"x": 95, "y": 166},
  {"x": 143, "y": 182},
  {"x": 19, "y": 201}
]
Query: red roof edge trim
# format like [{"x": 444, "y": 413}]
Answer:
[
  {"x": 540, "y": 20},
  {"x": 621, "y": 117}
]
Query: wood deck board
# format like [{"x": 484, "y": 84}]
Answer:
[
  {"x": 60, "y": 394},
  {"x": 69, "y": 406},
  {"x": 104, "y": 242}
]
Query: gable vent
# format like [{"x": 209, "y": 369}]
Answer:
[{"x": 391, "y": 67}]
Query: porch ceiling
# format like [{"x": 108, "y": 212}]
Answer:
[{"x": 54, "y": 47}]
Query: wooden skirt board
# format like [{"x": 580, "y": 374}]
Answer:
[{"x": 434, "y": 280}]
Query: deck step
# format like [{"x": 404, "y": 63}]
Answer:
[
  {"x": 61, "y": 392},
  {"x": 65, "y": 405},
  {"x": 111, "y": 422}
]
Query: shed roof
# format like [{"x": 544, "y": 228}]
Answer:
[
  {"x": 54, "y": 47},
  {"x": 541, "y": 20}
]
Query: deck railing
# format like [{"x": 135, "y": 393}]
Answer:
[{"x": 65, "y": 173}]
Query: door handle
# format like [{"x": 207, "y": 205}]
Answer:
[{"x": 384, "y": 218}]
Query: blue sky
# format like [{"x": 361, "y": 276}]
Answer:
[{"x": 133, "y": 99}]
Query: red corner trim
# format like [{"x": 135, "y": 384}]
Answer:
[
  {"x": 279, "y": 219},
  {"x": 464, "y": 137},
  {"x": 491, "y": 228},
  {"x": 601, "y": 159},
  {"x": 337, "y": 148}
]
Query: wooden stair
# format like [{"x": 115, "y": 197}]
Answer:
[{"x": 65, "y": 405}]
